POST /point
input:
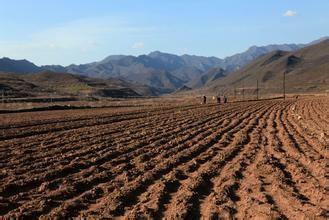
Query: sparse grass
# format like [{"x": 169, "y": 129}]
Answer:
[{"x": 75, "y": 88}]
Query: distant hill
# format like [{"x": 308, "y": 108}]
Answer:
[
  {"x": 47, "y": 82},
  {"x": 237, "y": 61},
  {"x": 307, "y": 70},
  {"x": 14, "y": 85},
  {"x": 17, "y": 66}
]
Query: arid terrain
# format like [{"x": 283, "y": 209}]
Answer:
[{"x": 256, "y": 159}]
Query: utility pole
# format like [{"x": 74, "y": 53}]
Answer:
[
  {"x": 3, "y": 96},
  {"x": 257, "y": 90},
  {"x": 284, "y": 85},
  {"x": 243, "y": 91}
]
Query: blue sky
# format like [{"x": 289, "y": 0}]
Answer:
[{"x": 81, "y": 31}]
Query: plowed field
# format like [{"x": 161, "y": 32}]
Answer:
[{"x": 243, "y": 160}]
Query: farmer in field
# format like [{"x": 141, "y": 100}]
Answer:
[
  {"x": 218, "y": 99},
  {"x": 204, "y": 100},
  {"x": 225, "y": 99}
]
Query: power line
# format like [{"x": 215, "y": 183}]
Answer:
[{"x": 284, "y": 85}]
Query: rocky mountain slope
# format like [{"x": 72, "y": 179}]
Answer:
[
  {"x": 206, "y": 78},
  {"x": 306, "y": 70}
]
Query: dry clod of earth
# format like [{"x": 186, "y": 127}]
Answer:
[{"x": 265, "y": 159}]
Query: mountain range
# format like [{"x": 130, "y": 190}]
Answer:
[
  {"x": 157, "y": 71},
  {"x": 164, "y": 71}
]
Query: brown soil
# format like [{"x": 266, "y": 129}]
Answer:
[{"x": 266, "y": 159}]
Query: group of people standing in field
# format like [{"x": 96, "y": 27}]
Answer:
[{"x": 219, "y": 99}]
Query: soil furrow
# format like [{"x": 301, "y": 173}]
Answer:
[{"x": 176, "y": 160}]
